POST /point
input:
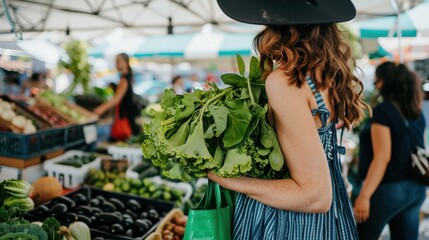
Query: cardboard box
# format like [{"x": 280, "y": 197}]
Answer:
[{"x": 29, "y": 174}]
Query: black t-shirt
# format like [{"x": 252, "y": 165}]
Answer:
[{"x": 403, "y": 141}]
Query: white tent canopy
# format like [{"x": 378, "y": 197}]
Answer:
[
  {"x": 379, "y": 8},
  {"x": 98, "y": 16},
  {"x": 87, "y": 19}
]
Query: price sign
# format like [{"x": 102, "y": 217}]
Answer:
[{"x": 90, "y": 132}]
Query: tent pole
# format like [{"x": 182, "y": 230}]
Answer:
[
  {"x": 400, "y": 52},
  {"x": 398, "y": 29},
  {"x": 18, "y": 35}
]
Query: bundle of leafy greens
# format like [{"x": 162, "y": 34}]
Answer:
[
  {"x": 220, "y": 130},
  {"x": 14, "y": 227}
]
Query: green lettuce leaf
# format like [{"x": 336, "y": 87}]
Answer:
[
  {"x": 237, "y": 124},
  {"x": 195, "y": 146},
  {"x": 237, "y": 163},
  {"x": 220, "y": 116}
]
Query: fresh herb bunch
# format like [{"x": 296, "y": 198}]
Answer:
[{"x": 223, "y": 130}]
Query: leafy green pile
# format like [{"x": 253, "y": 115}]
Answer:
[
  {"x": 15, "y": 194},
  {"x": 224, "y": 130},
  {"x": 14, "y": 227}
]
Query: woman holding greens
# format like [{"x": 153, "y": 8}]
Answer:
[{"x": 312, "y": 88}]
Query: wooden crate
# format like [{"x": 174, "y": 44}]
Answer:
[
  {"x": 90, "y": 117},
  {"x": 24, "y": 163}
]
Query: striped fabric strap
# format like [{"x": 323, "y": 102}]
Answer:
[{"x": 317, "y": 95}]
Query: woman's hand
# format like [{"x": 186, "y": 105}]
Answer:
[
  {"x": 98, "y": 110},
  {"x": 361, "y": 209},
  {"x": 228, "y": 183}
]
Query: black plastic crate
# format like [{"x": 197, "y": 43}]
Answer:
[
  {"x": 75, "y": 135},
  {"x": 162, "y": 208},
  {"x": 25, "y": 146}
]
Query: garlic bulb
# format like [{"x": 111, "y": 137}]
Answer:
[
  {"x": 6, "y": 106},
  {"x": 29, "y": 128},
  {"x": 19, "y": 121},
  {"x": 8, "y": 115}
]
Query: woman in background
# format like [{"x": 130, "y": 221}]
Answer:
[
  {"x": 123, "y": 98},
  {"x": 389, "y": 195}
]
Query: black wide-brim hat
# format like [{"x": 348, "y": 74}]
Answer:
[{"x": 288, "y": 12}]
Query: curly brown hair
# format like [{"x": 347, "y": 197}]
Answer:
[{"x": 320, "y": 52}]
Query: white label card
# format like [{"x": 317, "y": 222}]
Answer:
[{"x": 90, "y": 132}]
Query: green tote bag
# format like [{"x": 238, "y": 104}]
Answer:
[{"x": 212, "y": 218}]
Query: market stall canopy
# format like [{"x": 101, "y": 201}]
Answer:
[
  {"x": 146, "y": 16},
  {"x": 32, "y": 52},
  {"x": 188, "y": 46},
  {"x": 378, "y": 8},
  {"x": 83, "y": 18},
  {"x": 37, "y": 49},
  {"x": 411, "y": 23},
  {"x": 412, "y": 48}
]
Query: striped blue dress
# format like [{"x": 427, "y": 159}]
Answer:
[{"x": 256, "y": 221}]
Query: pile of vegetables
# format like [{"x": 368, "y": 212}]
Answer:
[
  {"x": 14, "y": 194},
  {"x": 58, "y": 103},
  {"x": 175, "y": 229},
  {"x": 144, "y": 188},
  {"x": 223, "y": 130},
  {"x": 102, "y": 94},
  {"x": 48, "y": 115},
  {"x": 108, "y": 213},
  {"x": 14, "y": 227},
  {"x": 145, "y": 170},
  {"x": 78, "y": 161},
  {"x": 19, "y": 122}
]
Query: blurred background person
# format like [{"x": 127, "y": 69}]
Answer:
[
  {"x": 389, "y": 195},
  {"x": 178, "y": 85},
  {"x": 36, "y": 82},
  {"x": 196, "y": 84},
  {"x": 126, "y": 111},
  {"x": 11, "y": 83}
]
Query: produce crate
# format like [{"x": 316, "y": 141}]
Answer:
[
  {"x": 90, "y": 117},
  {"x": 20, "y": 109},
  {"x": 134, "y": 155},
  {"x": 26, "y": 146},
  {"x": 181, "y": 186},
  {"x": 75, "y": 135},
  {"x": 69, "y": 176},
  {"x": 162, "y": 207}
]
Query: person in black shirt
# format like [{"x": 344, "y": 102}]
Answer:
[
  {"x": 389, "y": 195},
  {"x": 123, "y": 98}
]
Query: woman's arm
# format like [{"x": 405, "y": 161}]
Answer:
[
  {"x": 117, "y": 98},
  {"x": 381, "y": 144},
  {"x": 309, "y": 189}
]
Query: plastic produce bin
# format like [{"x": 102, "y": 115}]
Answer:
[{"x": 69, "y": 176}]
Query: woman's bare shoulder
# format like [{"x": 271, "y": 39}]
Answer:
[{"x": 278, "y": 84}]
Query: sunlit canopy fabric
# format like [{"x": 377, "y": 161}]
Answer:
[
  {"x": 411, "y": 23},
  {"x": 94, "y": 18},
  {"x": 188, "y": 46}
]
